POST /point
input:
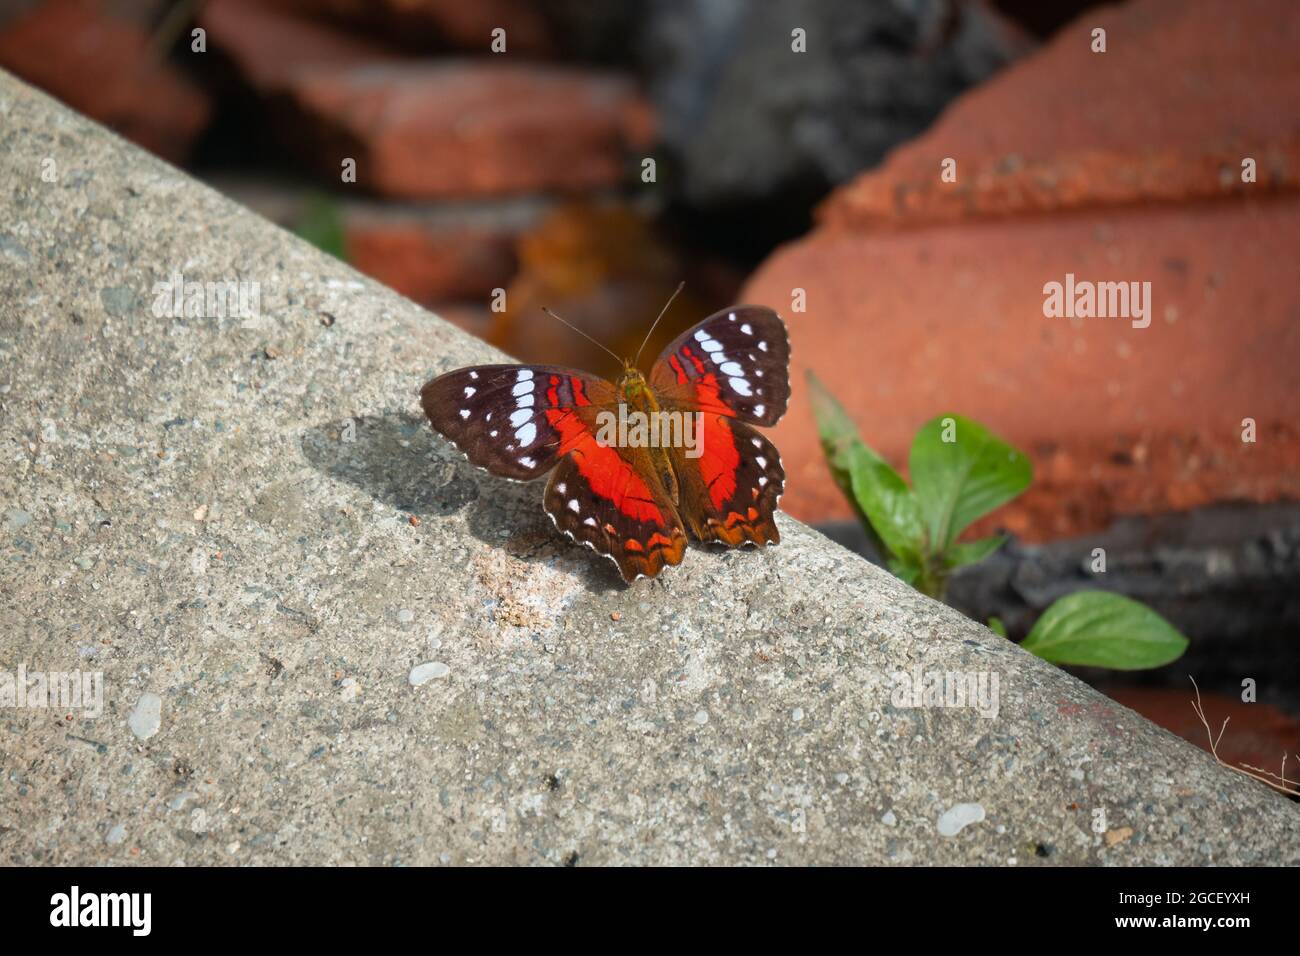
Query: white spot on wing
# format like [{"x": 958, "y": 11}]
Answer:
[
  {"x": 762, "y": 462},
  {"x": 759, "y": 410},
  {"x": 747, "y": 329},
  {"x": 560, "y": 488},
  {"x": 732, "y": 368},
  {"x": 527, "y": 462},
  {"x": 526, "y": 434},
  {"x": 464, "y": 413},
  {"x": 523, "y": 388},
  {"x": 525, "y": 374},
  {"x": 740, "y": 385},
  {"x": 590, "y": 521},
  {"x": 469, "y": 390},
  {"x": 573, "y": 504},
  {"x": 520, "y": 416},
  {"x": 763, "y": 346}
]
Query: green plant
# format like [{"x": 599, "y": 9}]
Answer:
[
  {"x": 961, "y": 472},
  {"x": 321, "y": 224}
]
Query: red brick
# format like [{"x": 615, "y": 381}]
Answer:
[
  {"x": 472, "y": 128},
  {"x": 1185, "y": 91},
  {"x": 106, "y": 67},
  {"x": 905, "y": 326},
  {"x": 461, "y": 24}
]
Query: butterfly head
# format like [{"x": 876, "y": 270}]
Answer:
[{"x": 632, "y": 384}]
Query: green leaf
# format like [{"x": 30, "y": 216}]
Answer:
[
  {"x": 904, "y": 570},
  {"x": 997, "y": 627},
  {"x": 1100, "y": 629},
  {"x": 839, "y": 435},
  {"x": 888, "y": 503},
  {"x": 840, "y": 443},
  {"x": 969, "y": 552},
  {"x": 960, "y": 480},
  {"x": 321, "y": 224}
]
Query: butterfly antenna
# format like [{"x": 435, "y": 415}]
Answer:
[
  {"x": 681, "y": 285},
  {"x": 580, "y": 332}
]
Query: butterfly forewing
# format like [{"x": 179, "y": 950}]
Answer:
[
  {"x": 514, "y": 420},
  {"x": 736, "y": 362}
]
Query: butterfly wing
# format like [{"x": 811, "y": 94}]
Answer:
[
  {"x": 732, "y": 369},
  {"x": 735, "y": 363},
  {"x": 613, "y": 504},
  {"x": 520, "y": 421},
  {"x": 512, "y": 419}
]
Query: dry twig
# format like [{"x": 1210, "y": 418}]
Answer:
[{"x": 1278, "y": 782}]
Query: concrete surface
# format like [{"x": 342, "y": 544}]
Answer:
[{"x": 294, "y": 672}]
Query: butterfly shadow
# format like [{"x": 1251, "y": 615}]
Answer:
[{"x": 399, "y": 462}]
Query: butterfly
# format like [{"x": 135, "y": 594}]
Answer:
[{"x": 620, "y": 492}]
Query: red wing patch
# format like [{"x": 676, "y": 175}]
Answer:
[
  {"x": 504, "y": 417},
  {"x": 730, "y": 492},
  {"x": 598, "y": 497},
  {"x": 736, "y": 363}
]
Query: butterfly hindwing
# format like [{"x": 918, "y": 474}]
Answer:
[
  {"x": 730, "y": 492},
  {"x": 736, "y": 363},
  {"x": 602, "y": 499},
  {"x": 514, "y": 420}
]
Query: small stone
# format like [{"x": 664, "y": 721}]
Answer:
[
  {"x": 889, "y": 819},
  {"x": 349, "y": 689},
  {"x": 199, "y": 820},
  {"x": 842, "y": 778},
  {"x": 414, "y": 520},
  {"x": 615, "y": 616},
  {"x": 271, "y": 352},
  {"x": 201, "y": 513},
  {"x": 146, "y": 718},
  {"x": 959, "y": 817},
  {"x": 701, "y": 716},
  {"x": 406, "y": 615},
  {"x": 16, "y": 518},
  {"x": 116, "y": 835},
  {"x": 423, "y": 673},
  {"x": 1118, "y": 836},
  {"x": 797, "y": 714}
]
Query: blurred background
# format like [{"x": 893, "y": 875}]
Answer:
[{"x": 487, "y": 158}]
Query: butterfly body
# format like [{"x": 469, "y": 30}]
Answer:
[{"x": 703, "y": 468}]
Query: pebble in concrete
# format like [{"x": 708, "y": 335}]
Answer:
[
  {"x": 954, "y": 820},
  {"x": 423, "y": 673},
  {"x": 146, "y": 718}
]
